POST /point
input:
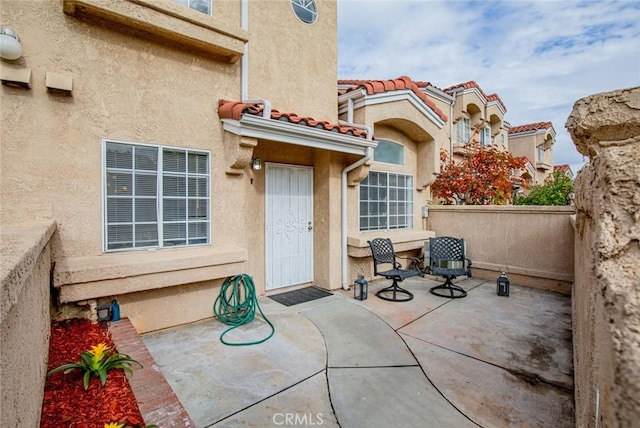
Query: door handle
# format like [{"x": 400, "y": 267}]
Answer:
[{"x": 309, "y": 227}]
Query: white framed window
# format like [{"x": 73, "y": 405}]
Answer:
[
  {"x": 386, "y": 201},
  {"x": 541, "y": 153},
  {"x": 204, "y": 6},
  {"x": 485, "y": 136},
  {"x": 305, "y": 10},
  {"x": 154, "y": 197},
  {"x": 463, "y": 129},
  {"x": 502, "y": 139},
  {"x": 389, "y": 152}
]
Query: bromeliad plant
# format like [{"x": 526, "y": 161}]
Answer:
[{"x": 97, "y": 362}]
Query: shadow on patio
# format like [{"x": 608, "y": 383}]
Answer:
[{"x": 481, "y": 360}]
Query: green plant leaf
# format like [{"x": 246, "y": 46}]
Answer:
[
  {"x": 85, "y": 379},
  {"x": 102, "y": 372},
  {"x": 67, "y": 367}
]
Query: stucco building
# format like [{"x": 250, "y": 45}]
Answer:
[
  {"x": 139, "y": 129},
  {"x": 534, "y": 141}
]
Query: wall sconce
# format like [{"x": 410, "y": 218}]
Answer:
[
  {"x": 256, "y": 163},
  {"x": 10, "y": 47}
]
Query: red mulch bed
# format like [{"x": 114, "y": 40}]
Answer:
[{"x": 66, "y": 403}]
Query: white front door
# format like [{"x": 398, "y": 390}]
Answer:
[{"x": 289, "y": 225}]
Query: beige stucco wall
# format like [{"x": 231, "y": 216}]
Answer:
[
  {"x": 294, "y": 64},
  {"x": 124, "y": 88},
  {"x": 24, "y": 321},
  {"x": 534, "y": 244},
  {"x": 606, "y": 296}
]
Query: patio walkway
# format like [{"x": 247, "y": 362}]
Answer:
[{"x": 338, "y": 362}]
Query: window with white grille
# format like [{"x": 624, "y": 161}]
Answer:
[
  {"x": 463, "y": 129},
  {"x": 155, "y": 196},
  {"x": 485, "y": 136},
  {"x": 386, "y": 201}
]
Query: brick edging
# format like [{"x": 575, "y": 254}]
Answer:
[{"x": 158, "y": 404}]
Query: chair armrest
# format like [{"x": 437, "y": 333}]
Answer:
[{"x": 415, "y": 262}]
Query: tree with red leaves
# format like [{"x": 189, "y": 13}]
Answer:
[{"x": 485, "y": 176}]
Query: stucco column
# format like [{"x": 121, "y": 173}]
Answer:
[
  {"x": 606, "y": 296},
  {"x": 326, "y": 206}
]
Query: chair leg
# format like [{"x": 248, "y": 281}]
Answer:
[
  {"x": 398, "y": 294},
  {"x": 449, "y": 290}
]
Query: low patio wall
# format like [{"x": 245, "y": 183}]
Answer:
[
  {"x": 24, "y": 321},
  {"x": 533, "y": 244},
  {"x": 606, "y": 297}
]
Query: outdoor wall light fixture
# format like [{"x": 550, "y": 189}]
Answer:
[
  {"x": 256, "y": 163},
  {"x": 10, "y": 47},
  {"x": 503, "y": 285},
  {"x": 360, "y": 288}
]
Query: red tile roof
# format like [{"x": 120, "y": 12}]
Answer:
[
  {"x": 401, "y": 83},
  {"x": 235, "y": 109},
  {"x": 472, "y": 84},
  {"x": 530, "y": 127},
  {"x": 565, "y": 168}
]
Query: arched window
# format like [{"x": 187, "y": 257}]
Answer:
[
  {"x": 305, "y": 10},
  {"x": 389, "y": 152}
]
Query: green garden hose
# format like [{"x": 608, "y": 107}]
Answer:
[{"x": 236, "y": 305}]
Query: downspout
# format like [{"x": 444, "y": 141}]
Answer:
[
  {"x": 451, "y": 125},
  {"x": 367, "y": 157},
  {"x": 244, "y": 67}
]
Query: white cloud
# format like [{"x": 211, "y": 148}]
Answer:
[{"x": 539, "y": 56}]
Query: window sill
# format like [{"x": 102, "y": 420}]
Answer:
[
  {"x": 111, "y": 274},
  {"x": 403, "y": 240},
  {"x": 168, "y": 22}
]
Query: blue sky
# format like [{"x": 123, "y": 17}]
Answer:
[{"x": 538, "y": 56}]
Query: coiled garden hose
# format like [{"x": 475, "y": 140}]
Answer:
[{"x": 236, "y": 305}]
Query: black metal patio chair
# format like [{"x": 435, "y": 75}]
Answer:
[
  {"x": 383, "y": 254},
  {"x": 447, "y": 258}
]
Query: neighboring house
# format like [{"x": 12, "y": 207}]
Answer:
[
  {"x": 535, "y": 141},
  {"x": 476, "y": 116},
  {"x": 564, "y": 168}
]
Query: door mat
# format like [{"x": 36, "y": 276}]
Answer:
[{"x": 302, "y": 295}]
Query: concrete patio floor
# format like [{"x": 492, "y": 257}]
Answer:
[{"x": 483, "y": 360}]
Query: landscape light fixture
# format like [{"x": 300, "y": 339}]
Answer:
[
  {"x": 503, "y": 285},
  {"x": 104, "y": 312},
  {"x": 360, "y": 288},
  {"x": 10, "y": 47}
]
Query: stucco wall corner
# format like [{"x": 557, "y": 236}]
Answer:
[
  {"x": 24, "y": 320},
  {"x": 606, "y": 303},
  {"x": 611, "y": 116},
  {"x": 21, "y": 247}
]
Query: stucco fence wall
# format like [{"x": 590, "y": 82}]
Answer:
[
  {"x": 24, "y": 321},
  {"x": 534, "y": 245},
  {"x": 606, "y": 299}
]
